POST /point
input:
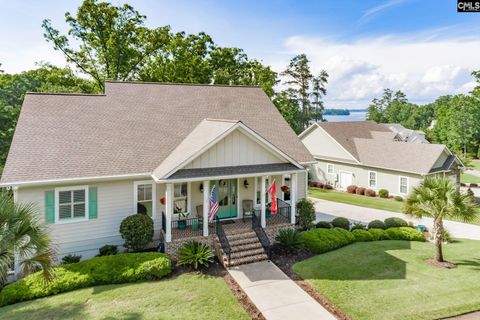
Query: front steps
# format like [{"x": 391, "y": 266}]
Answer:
[{"x": 245, "y": 247}]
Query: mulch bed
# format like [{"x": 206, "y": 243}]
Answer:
[
  {"x": 444, "y": 264},
  {"x": 217, "y": 270},
  {"x": 285, "y": 263}
]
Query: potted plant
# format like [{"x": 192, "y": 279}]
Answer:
[{"x": 182, "y": 220}]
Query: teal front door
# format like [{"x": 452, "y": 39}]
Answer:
[{"x": 227, "y": 198}]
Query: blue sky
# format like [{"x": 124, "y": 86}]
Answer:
[{"x": 423, "y": 47}]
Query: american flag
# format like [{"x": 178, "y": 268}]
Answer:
[{"x": 213, "y": 205}]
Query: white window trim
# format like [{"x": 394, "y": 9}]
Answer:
[
  {"x": 376, "y": 180},
  {"x": 57, "y": 205},
  {"x": 187, "y": 198},
  {"x": 333, "y": 168},
  {"x": 154, "y": 196},
  {"x": 400, "y": 185}
]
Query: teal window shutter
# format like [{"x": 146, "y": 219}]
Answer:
[
  {"x": 92, "y": 203},
  {"x": 50, "y": 207}
]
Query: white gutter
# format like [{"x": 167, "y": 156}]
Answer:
[{"x": 74, "y": 180}]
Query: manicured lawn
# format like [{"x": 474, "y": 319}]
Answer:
[
  {"x": 469, "y": 178},
  {"x": 358, "y": 200},
  {"x": 363, "y": 201},
  {"x": 476, "y": 164},
  {"x": 184, "y": 297},
  {"x": 390, "y": 280}
]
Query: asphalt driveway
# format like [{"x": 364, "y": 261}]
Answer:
[{"x": 328, "y": 210}]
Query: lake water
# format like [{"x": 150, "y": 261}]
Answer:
[{"x": 353, "y": 116}]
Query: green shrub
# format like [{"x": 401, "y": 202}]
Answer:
[
  {"x": 306, "y": 214},
  {"x": 137, "y": 231},
  {"x": 341, "y": 222},
  {"x": 324, "y": 240},
  {"x": 324, "y": 225},
  {"x": 71, "y": 258},
  {"x": 362, "y": 235},
  {"x": 120, "y": 268},
  {"x": 378, "y": 234},
  {"x": 358, "y": 226},
  {"x": 383, "y": 193},
  {"x": 289, "y": 240},
  {"x": 405, "y": 233},
  {"x": 108, "y": 250},
  {"x": 376, "y": 224},
  {"x": 195, "y": 254},
  {"x": 446, "y": 236},
  {"x": 398, "y": 198},
  {"x": 395, "y": 222}
]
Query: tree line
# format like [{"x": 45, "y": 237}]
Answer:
[
  {"x": 453, "y": 120},
  {"x": 108, "y": 42}
]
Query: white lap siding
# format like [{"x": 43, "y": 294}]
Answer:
[
  {"x": 114, "y": 201},
  {"x": 386, "y": 179}
]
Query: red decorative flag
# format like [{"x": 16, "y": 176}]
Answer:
[{"x": 273, "y": 195}]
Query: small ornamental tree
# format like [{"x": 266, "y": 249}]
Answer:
[
  {"x": 137, "y": 231},
  {"x": 306, "y": 214},
  {"x": 440, "y": 198}
]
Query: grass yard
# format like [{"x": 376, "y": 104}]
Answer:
[
  {"x": 390, "y": 280},
  {"x": 469, "y": 178},
  {"x": 363, "y": 201},
  {"x": 186, "y": 296},
  {"x": 476, "y": 164}
]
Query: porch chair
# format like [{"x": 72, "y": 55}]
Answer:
[
  {"x": 247, "y": 206},
  {"x": 199, "y": 210}
]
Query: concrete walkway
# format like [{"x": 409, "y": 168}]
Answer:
[
  {"x": 275, "y": 294},
  {"x": 328, "y": 210}
]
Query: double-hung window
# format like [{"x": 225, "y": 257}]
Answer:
[
  {"x": 330, "y": 168},
  {"x": 71, "y": 203},
  {"x": 144, "y": 193},
  {"x": 372, "y": 179},
  {"x": 403, "y": 185},
  {"x": 180, "y": 197}
]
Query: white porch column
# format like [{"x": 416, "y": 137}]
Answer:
[
  {"x": 293, "y": 197},
  {"x": 263, "y": 219},
  {"x": 168, "y": 211},
  {"x": 206, "y": 206}
]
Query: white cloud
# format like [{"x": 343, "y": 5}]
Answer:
[
  {"x": 360, "y": 70},
  {"x": 371, "y": 12}
]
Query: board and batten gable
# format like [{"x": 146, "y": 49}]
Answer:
[
  {"x": 386, "y": 179},
  {"x": 319, "y": 142},
  {"x": 115, "y": 201},
  {"x": 441, "y": 159},
  {"x": 234, "y": 150}
]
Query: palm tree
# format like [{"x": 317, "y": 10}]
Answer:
[
  {"x": 440, "y": 198},
  {"x": 24, "y": 237}
]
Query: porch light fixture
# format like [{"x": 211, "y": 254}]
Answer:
[
  {"x": 245, "y": 184},
  {"x": 201, "y": 187}
]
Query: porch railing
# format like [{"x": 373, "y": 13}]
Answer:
[
  {"x": 283, "y": 215},
  {"x": 262, "y": 236},
  {"x": 185, "y": 228},
  {"x": 222, "y": 237}
]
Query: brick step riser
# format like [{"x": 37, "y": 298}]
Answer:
[
  {"x": 243, "y": 254},
  {"x": 241, "y": 236},
  {"x": 236, "y": 262}
]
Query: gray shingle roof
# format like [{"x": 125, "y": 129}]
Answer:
[
  {"x": 131, "y": 129},
  {"x": 373, "y": 145}
]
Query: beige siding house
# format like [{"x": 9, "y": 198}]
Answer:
[
  {"x": 89, "y": 161},
  {"x": 373, "y": 156}
]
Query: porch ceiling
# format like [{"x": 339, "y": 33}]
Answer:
[{"x": 233, "y": 171}]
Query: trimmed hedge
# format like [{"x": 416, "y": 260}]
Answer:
[
  {"x": 405, "y": 233},
  {"x": 360, "y": 191},
  {"x": 370, "y": 193},
  {"x": 120, "y": 268},
  {"x": 376, "y": 224},
  {"x": 324, "y": 225},
  {"x": 324, "y": 240},
  {"x": 395, "y": 222},
  {"x": 378, "y": 234},
  {"x": 362, "y": 235},
  {"x": 398, "y": 198},
  {"x": 358, "y": 226},
  {"x": 137, "y": 231},
  {"x": 383, "y": 193},
  {"x": 352, "y": 188},
  {"x": 341, "y": 222}
]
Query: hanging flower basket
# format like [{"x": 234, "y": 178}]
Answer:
[
  {"x": 284, "y": 188},
  {"x": 162, "y": 200}
]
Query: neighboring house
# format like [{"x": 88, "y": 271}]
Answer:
[
  {"x": 89, "y": 161},
  {"x": 406, "y": 135},
  {"x": 367, "y": 154}
]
